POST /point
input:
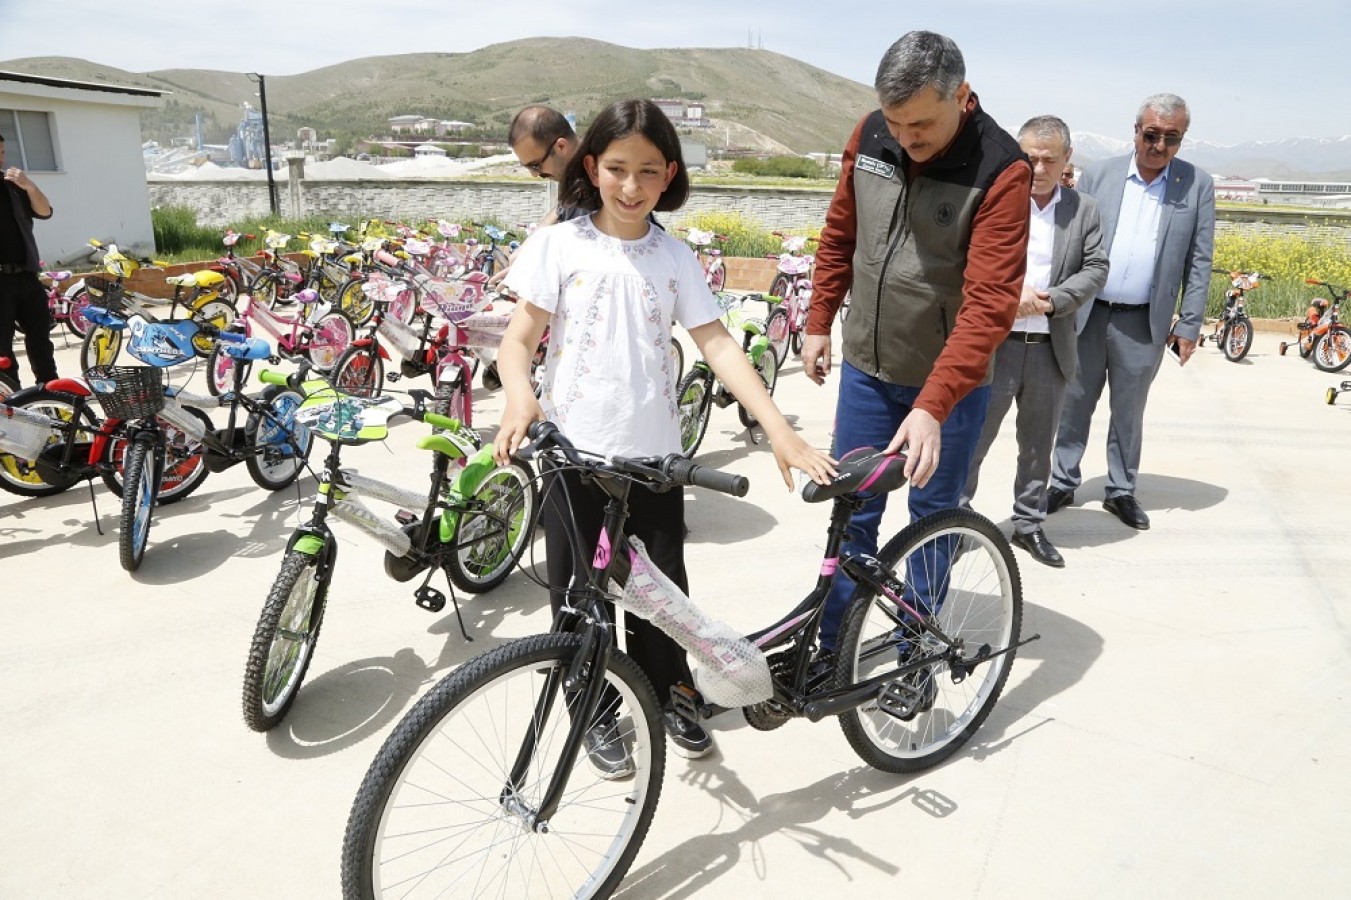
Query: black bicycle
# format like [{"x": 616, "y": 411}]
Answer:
[{"x": 483, "y": 789}]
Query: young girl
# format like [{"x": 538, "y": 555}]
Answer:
[{"x": 608, "y": 286}]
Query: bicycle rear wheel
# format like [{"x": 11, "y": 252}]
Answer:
[
  {"x": 488, "y": 541},
  {"x": 284, "y": 639},
  {"x": 281, "y": 447},
  {"x": 437, "y": 815},
  {"x": 778, "y": 329},
  {"x": 959, "y": 573},
  {"x": 767, "y": 367},
  {"x": 1332, "y": 352},
  {"x": 40, "y": 477},
  {"x": 142, "y": 473},
  {"x": 331, "y": 336}
]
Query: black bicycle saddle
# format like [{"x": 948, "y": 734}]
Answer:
[{"x": 865, "y": 470}]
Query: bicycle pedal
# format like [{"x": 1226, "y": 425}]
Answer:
[
  {"x": 404, "y": 517},
  {"x": 686, "y": 702},
  {"x": 274, "y": 360},
  {"x": 392, "y": 377},
  {"x": 430, "y": 599}
]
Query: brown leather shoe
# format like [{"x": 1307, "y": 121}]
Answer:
[
  {"x": 1039, "y": 548},
  {"x": 1125, "y": 508}
]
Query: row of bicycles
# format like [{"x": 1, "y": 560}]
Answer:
[{"x": 485, "y": 788}]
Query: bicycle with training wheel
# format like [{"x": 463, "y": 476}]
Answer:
[
  {"x": 701, "y": 389},
  {"x": 472, "y": 524},
  {"x": 484, "y": 787},
  {"x": 1233, "y": 332},
  {"x": 1322, "y": 336}
]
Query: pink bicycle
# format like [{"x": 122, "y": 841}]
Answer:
[
  {"x": 710, "y": 257},
  {"x": 793, "y": 285},
  {"x": 313, "y": 330}
]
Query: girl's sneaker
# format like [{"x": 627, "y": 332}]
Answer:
[{"x": 690, "y": 740}]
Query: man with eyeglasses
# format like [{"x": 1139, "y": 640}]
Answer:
[
  {"x": 1158, "y": 224},
  {"x": 543, "y": 140}
]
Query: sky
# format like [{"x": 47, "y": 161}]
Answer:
[{"x": 1248, "y": 70}]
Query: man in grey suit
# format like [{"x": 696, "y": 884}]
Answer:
[
  {"x": 1158, "y": 222},
  {"x": 1066, "y": 267}
]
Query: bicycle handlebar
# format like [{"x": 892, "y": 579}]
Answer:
[{"x": 668, "y": 471}]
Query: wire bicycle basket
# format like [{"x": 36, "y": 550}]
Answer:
[
  {"x": 127, "y": 392},
  {"x": 103, "y": 292}
]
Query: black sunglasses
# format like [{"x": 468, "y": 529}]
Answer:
[
  {"x": 1153, "y": 137},
  {"x": 534, "y": 168}
]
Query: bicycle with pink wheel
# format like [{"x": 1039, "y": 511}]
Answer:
[
  {"x": 793, "y": 285},
  {"x": 312, "y": 330}
]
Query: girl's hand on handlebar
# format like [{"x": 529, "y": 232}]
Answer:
[{"x": 513, "y": 432}]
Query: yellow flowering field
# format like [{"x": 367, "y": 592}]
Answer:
[{"x": 1284, "y": 261}]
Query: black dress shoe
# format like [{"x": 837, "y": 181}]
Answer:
[
  {"x": 1127, "y": 510},
  {"x": 1039, "y": 548},
  {"x": 1057, "y": 499}
]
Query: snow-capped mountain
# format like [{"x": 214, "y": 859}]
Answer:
[{"x": 1308, "y": 158}]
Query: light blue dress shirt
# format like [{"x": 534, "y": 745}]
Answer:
[{"x": 1131, "y": 272}]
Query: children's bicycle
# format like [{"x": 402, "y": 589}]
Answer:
[
  {"x": 793, "y": 284},
  {"x": 472, "y": 524},
  {"x": 268, "y": 441},
  {"x": 484, "y": 789},
  {"x": 1322, "y": 336},
  {"x": 1233, "y": 332},
  {"x": 710, "y": 257},
  {"x": 701, "y": 389}
]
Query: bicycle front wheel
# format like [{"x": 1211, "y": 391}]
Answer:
[
  {"x": 959, "y": 574},
  {"x": 693, "y": 407},
  {"x": 141, "y": 471},
  {"x": 778, "y": 329},
  {"x": 283, "y": 641},
  {"x": 438, "y": 814},
  {"x": 359, "y": 371},
  {"x": 100, "y": 347},
  {"x": 1237, "y": 339},
  {"x": 490, "y": 538},
  {"x": 767, "y": 367}
]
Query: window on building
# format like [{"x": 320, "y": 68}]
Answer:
[{"x": 28, "y": 139}]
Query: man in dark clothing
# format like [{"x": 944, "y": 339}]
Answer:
[
  {"x": 22, "y": 297},
  {"x": 928, "y": 232}
]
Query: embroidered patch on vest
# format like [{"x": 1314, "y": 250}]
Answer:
[
  {"x": 876, "y": 166},
  {"x": 945, "y": 215}
]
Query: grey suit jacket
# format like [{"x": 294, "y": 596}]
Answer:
[
  {"x": 1078, "y": 272},
  {"x": 1186, "y": 241}
]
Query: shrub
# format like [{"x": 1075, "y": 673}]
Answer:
[
  {"x": 745, "y": 235},
  {"x": 1284, "y": 261},
  {"x": 176, "y": 230},
  {"x": 779, "y": 167}
]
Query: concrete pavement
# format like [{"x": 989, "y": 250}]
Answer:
[{"x": 1182, "y": 728}]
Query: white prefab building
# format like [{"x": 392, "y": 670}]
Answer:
[{"x": 81, "y": 143}]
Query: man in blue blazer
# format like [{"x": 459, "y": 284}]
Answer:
[
  {"x": 1158, "y": 223},
  {"x": 1066, "y": 268}
]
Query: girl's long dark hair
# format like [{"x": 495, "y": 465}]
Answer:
[{"x": 619, "y": 120}]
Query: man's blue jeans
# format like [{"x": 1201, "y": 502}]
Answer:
[{"x": 869, "y": 412}]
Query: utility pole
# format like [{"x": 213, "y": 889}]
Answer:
[{"x": 267, "y": 142}]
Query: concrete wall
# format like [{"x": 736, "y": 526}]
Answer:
[{"x": 511, "y": 202}]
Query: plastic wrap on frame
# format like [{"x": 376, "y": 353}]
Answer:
[
  {"x": 733, "y": 672},
  {"x": 404, "y": 339},
  {"x": 379, "y": 490},
  {"x": 191, "y": 426},
  {"x": 390, "y": 536},
  {"x": 23, "y": 432}
]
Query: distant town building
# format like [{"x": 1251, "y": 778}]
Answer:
[
  {"x": 1331, "y": 194},
  {"x": 425, "y": 151},
  {"x": 1235, "y": 189},
  {"x": 683, "y": 114},
  {"x": 426, "y": 125}
]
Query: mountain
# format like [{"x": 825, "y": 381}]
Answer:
[
  {"x": 1305, "y": 159},
  {"x": 789, "y": 105}
]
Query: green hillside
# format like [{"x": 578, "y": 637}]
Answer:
[{"x": 751, "y": 92}]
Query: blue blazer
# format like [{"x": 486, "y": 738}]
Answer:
[{"x": 1186, "y": 243}]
